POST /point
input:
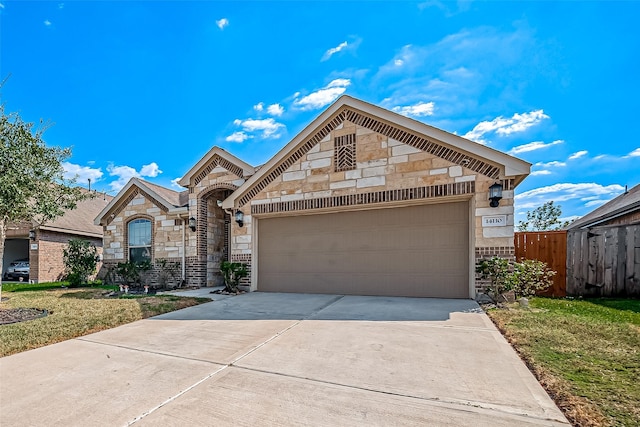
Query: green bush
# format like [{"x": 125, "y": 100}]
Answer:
[
  {"x": 80, "y": 260},
  {"x": 530, "y": 276},
  {"x": 233, "y": 272},
  {"x": 524, "y": 278},
  {"x": 131, "y": 272}
]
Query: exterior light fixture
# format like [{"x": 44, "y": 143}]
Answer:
[
  {"x": 192, "y": 224},
  {"x": 495, "y": 194},
  {"x": 239, "y": 218},
  {"x": 32, "y": 234}
]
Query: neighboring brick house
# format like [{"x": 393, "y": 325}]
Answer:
[
  {"x": 362, "y": 201},
  {"x": 43, "y": 244}
]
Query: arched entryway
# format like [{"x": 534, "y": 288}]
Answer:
[{"x": 213, "y": 233}]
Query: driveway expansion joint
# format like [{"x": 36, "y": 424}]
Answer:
[
  {"x": 458, "y": 405},
  {"x": 225, "y": 365}
]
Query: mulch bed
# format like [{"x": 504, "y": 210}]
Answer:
[{"x": 15, "y": 315}]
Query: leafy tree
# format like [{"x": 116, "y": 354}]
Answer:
[
  {"x": 543, "y": 218},
  {"x": 80, "y": 260},
  {"x": 32, "y": 182}
]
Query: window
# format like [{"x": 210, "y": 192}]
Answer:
[
  {"x": 345, "y": 152},
  {"x": 139, "y": 240}
]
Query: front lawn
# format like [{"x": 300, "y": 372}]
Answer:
[
  {"x": 586, "y": 353},
  {"x": 76, "y": 312}
]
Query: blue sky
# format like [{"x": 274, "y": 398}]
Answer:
[{"x": 147, "y": 88}]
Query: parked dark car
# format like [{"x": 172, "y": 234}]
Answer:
[{"x": 18, "y": 270}]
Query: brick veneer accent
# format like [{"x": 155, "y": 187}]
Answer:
[
  {"x": 197, "y": 266},
  {"x": 482, "y": 253},
  {"x": 46, "y": 264},
  {"x": 371, "y": 198},
  {"x": 149, "y": 277}
]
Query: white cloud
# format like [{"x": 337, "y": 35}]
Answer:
[
  {"x": 565, "y": 191},
  {"x": 259, "y": 106},
  {"x": 594, "y": 203},
  {"x": 237, "y": 137},
  {"x": 275, "y": 110},
  {"x": 47, "y": 23},
  {"x": 82, "y": 173},
  {"x": 125, "y": 173},
  {"x": 398, "y": 62},
  {"x": 420, "y": 109},
  {"x": 506, "y": 126},
  {"x": 634, "y": 153},
  {"x": 553, "y": 164},
  {"x": 151, "y": 170},
  {"x": 324, "y": 96},
  {"x": 578, "y": 154},
  {"x": 532, "y": 146},
  {"x": 329, "y": 53},
  {"x": 174, "y": 183},
  {"x": 268, "y": 128},
  {"x": 541, "y": 172},
  {"x": 222, "y": 23}
]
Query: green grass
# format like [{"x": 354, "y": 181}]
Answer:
[
  {"x": 77, "y": 312},
  {"x": 22, "y": 287},
  {"x": 585, "y": 352}
]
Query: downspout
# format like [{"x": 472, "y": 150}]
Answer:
[
  {"x": 184, "y": 252},
  {"x": 183, "y": 273}
]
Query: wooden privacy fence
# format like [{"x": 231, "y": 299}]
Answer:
[
  {"x": 549, "y": 247},
  {"x": 604, "y": 261}
]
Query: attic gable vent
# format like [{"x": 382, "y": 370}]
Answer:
[{"x": 345, "y": 152}]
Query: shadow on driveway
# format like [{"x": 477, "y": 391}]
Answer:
[{"x": 285, "y": 306}]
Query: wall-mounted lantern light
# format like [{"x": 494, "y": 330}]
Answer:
[
  {"x": 32, "y": 234},
  {"x": 192, "y": 224},
  {"x": 239, "y": 218},
  {"x": 495, "y": 194}
]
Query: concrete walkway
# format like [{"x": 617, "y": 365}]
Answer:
[{"x": 282, "y": 359}]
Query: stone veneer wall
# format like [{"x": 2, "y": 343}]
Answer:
[
  {"x": 166, "y": 234},
  {"x": 381, "y": 164}
]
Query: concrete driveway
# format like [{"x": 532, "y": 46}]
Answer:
[{"x": 282, "y": 359}]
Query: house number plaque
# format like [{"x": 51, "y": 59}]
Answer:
[{"x": 494, "y": 220}]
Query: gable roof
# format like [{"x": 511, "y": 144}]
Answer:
[
  {"x": 166, "y": 199},
  {"x": 623, "y": 204},
  {"x": 218, "y": 156},
  {"x": 80, "y": 220},
  {"x": 477, "y": 157}
]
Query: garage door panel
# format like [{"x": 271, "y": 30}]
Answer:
[{"x": 411, "y": 251}]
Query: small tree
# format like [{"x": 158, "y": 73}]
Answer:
[
  {"x": 543, "y": 218},
  {"x": 233, "y": 272},
  {"x": 80, "y": 260},
  {"x": 32, "y": 182}
]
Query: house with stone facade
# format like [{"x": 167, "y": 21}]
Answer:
[{"x": 362, "y": 201}]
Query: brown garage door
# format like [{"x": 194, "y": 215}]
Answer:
[{"x": 418, "y": 251}]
